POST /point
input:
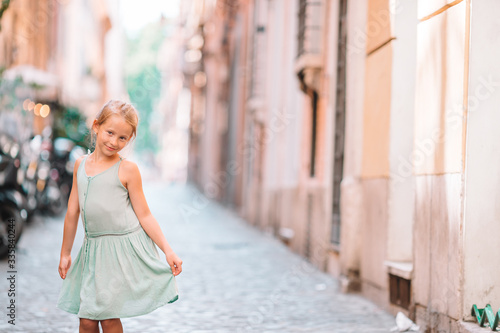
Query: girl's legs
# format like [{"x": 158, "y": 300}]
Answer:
[
  {"x": 89, "y": 326},
  {"x": 112, "y": 326}
]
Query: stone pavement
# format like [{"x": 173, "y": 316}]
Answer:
[{"x": 235, "y": 278}]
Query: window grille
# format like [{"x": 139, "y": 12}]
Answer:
[{"x": 310, "y": 27}]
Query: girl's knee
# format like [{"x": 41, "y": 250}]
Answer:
[
  {"x": 88, "y": 324},
  {"x": 109, "y": 323}
]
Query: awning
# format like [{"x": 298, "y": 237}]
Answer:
[{"x": 30, "y": 75}]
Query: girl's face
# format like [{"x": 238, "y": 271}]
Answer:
[{"x": 112, "y": 135}]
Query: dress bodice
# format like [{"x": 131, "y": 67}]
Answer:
[{"x": 105, "y": 205}]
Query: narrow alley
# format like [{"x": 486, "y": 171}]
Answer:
[{"x": 235, "y": 278}]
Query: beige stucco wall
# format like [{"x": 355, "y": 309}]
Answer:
[
  {"x": 283, "y": 100},
  {"x": 374, "y": 239},
  {"x": 437, "y": 246},
  {"x": 401, "y": 197},
  {"x": 439, "y": 92},
  {"x": 430, "y": 7},
  {"x": 274, "y": 197},
  {"x": 437, "y": 163},
  {"x": 210, "y": 144},
  {"x": 482, "y": 181},
  {"x": 290, "y": 198}
]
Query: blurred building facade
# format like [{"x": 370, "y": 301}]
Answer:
[
  {"x": 362, "y": 134},
  {"x": 173, "y": 107},
  {"x": 61, "y": 47}
]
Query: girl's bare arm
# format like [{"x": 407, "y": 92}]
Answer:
[
  {"x": 150, "y": 225},
  {"x": 70, "y": 225}
]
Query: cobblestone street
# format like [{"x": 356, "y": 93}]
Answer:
[{"x": 235, "y": 279}]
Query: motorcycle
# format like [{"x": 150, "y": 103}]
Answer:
[
  {"x": 13, "y": 204},
  {"x": 62, "y": 170},
  {"x": 63, "y": 158},
  {"x": 40, "y": 172},
  {"x": 76, "y": 153}
]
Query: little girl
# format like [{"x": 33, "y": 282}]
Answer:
[{"x": 117, "y": 272}]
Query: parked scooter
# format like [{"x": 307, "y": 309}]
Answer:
[
  {"x": 76, "y": 153},
  {"x": 61, "y": 170},
  {"x": 13, "y": 213},
  {"x": 47, "y": 194},
  {"x": 50, "y": 199},
  {"x": 27, "y": 179},
  {"x": 62, "y": 160}
]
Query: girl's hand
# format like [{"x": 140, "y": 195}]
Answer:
[
  {"x": 64, "y": 265},
  {"x": 175, "y": 263}
]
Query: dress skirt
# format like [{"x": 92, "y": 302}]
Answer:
[{"x": 117, "y": 276}]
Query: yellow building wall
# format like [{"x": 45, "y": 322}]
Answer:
[
  {"x": 376, "y": 145},
  {"x": 377, "y": 99},
  {"x": 377, "y": 108}
]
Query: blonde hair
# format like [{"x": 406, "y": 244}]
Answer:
[{"x": 116, "y": 107}]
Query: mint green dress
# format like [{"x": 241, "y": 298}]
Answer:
[{"x": 118, "y": 272}]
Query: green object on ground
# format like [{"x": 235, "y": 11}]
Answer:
[{"x": 487, "y": 313}]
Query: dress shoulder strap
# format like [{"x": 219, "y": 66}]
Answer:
[{"x": 82, "y": 163}]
